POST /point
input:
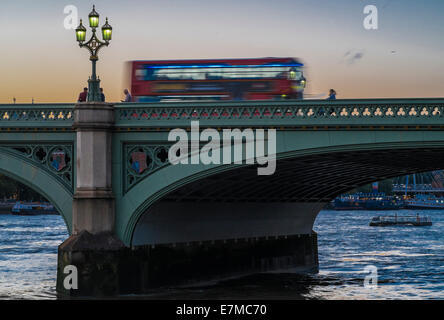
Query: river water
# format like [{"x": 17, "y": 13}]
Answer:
[{"x": 409, "y": 262}]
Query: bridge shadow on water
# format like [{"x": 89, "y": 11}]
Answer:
[
  {"x": 267, "y": 286},
  {"x": 263, "y": 286}
]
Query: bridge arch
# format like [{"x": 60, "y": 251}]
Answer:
[
  {"x": 391, "y": 158},
  {"x": 17, "y": 168}
]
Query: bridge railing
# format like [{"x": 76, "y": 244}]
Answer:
[
  {"x": 36, "y": 115},
  {"x": 394, "y": 113},
  {"x": 387, "y": 112}
]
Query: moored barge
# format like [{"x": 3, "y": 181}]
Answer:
[{"x": 416, "y": 221}]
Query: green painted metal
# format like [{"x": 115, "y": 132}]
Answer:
[
  {"x": 25, "y": 116},
  {"x": 42, "y": 157},
  {"x": 390, "y": 112},
  {"x": 155, "y": 155},
  {"x": 26, "y": 150},
  {"x": 17, "y": 167},
  {"x": 290, "y": 144}
]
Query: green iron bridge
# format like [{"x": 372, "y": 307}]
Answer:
[{"x": 72, "y": 153}]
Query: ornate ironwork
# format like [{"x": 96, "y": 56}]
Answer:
[
  {"x": 302, "y": 113},
  {"x": 55, "y": 159},
  {"x": 94, "y": 44},
  {"x": 141, "y": 160},
  {"x": 36, "y": 114},
  {"x": 292, "y": 112}
]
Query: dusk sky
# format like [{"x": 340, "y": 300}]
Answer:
[{"x": 40, "y": 59}]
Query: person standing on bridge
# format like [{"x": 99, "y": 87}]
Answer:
[
  {"x": 102, "y": 95},
  {"x": 83, "y": 95},
  {"x": 128, "y": 97},
  {"x": 332, "y": 95}
]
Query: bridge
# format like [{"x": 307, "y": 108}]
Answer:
[
  {"x": 420, "y": 188},
  {"x": 134, "y": 226}
]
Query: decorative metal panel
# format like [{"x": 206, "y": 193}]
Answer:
[{"x": 55, "y": 159}]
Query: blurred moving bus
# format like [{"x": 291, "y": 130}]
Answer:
[{"x": 227, "y": 79}]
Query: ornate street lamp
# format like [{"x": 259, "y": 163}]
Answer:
[
  {"x": 81, "y": 32},
  {"x": 94, "y": 45},
  {"x": 93, "y": 18}
]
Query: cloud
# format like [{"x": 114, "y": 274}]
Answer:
[{"x": 351, "y": 56}]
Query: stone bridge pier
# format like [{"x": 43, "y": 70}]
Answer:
[{"x": 93, "y": 249}]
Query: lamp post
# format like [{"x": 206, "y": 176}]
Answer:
[{"x": 94, "y": 45}]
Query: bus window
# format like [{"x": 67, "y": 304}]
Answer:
[{"x": 141, "y": 74}]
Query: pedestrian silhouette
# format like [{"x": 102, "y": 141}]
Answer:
[
  {"x": 102, "y": 95},
  {"x": 332, "y": 95},
  {"x": 83, "y": 95},
  {"x": 128, "y": 97}
]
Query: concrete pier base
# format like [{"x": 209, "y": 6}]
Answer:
[
  {"x": 192, "y": 263},
  {"x": 107, "y": 268},
  {"x": 96, "y": 258}
]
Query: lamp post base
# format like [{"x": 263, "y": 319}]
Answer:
[{"x": 94, "y": 91}]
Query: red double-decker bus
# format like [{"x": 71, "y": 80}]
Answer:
[{"x": 223, "y": 79}]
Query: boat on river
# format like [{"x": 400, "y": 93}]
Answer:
[
  {"x": 32, "y": 209},
  {"x": 367, "y": 201},
  {"x": 425, "y": 201},
  {"x": 416, "y": 221}
]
